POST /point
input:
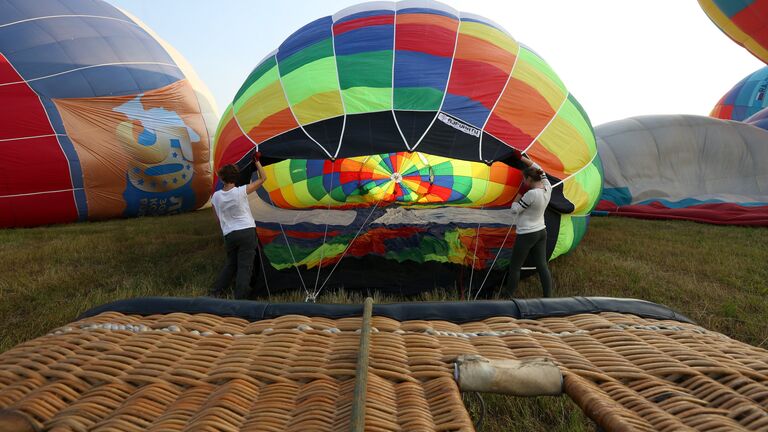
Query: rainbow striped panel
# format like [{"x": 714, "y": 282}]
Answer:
[
  {"x": 481, "y": 50},
  {"x": 363, "y": 44},
  {"x": 402, "y": 178},
  {"x": 386, "y": 77},
  {"x": 744, "y": 21},
  {"x": 424, "y": 46},
  {"x": 530, "y": 103}
]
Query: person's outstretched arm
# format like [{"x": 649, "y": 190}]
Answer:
[
  {"x": 529, "y": 163},
  {"x": 252, "y": 186}
]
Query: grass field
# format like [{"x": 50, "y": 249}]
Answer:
[{"x": 717, "y": 276}]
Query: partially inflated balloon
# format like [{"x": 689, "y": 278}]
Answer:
[
  {"x": 744, "y": 21},
  {"x": 745, "y": 98},
  {"x": 685, "y": 167},
  {"x": 99, "y": 118},
  {"x": 407, "y": 104}
]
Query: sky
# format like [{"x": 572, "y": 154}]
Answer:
[{"x": 619, "y": 58}]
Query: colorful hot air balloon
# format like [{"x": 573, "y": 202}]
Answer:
[
  {"x": 685, "y": 167},
  {"x": 744, "y": 21},
  {"x": 99, "y": 118},
  {"x": 385, "y": 120},
  {"x": 745, "y": 98}
]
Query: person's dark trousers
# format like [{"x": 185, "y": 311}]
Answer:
[
  {"x": 535, "y": 245},
  {"x": 241, "y": 250}
]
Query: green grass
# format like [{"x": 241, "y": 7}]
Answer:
[{"x": 717, "y": 276}]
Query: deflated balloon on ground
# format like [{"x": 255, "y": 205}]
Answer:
[{"x": 685, "y": 167}]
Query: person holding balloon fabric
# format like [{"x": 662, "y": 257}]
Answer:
[
  {"x": 231, "y": 207},
  {"x": 531, "y": 229}
]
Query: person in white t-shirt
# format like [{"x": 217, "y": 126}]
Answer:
[
  {"x": 237, "y": 224},
  {"x": 531, "y": 230}
]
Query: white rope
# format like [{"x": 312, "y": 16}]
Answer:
[
  {"x": 290, "y": 251},
  {"x": 501, "y": 247},
  {"x": 40, "y": 193},
  {"x": 259, "y": 249},
  {"x": 32, "y": 137},
  {"x": 67, "y": 16},
  {"x": 88, "y": 67},
  {"x": 315, "y": 291},
  {"x": 349, "y": 246},
  {"x": 474, "y": 259}
]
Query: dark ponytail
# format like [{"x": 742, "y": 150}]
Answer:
[{"x": 533, "y": 173}]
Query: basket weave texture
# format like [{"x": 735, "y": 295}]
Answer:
[{"x": 295, "y": 373}]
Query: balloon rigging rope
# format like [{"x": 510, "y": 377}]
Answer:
[
  {"x": 315, "y": 291},
  {"x": 259, "y": 250},
  {"x": 474, "y": 258},
  {"x": 474, "y": 255},
  {"x": 493, "y": 263},
  {"x": 290, "y": 251},
  {"x": 365, "y": 222},
  {"x": 293, "y": 258},
  {"x": 501, "y": 247}
]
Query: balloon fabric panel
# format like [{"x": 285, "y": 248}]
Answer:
[
  {"x": 744, "y": 21},
  {"x": 140, "y": 155},
  {"x": 402, "y": 178}
]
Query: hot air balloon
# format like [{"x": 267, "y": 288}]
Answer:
[
  {"x": 744, "y": 21},
  {"x": 745, "y": 98},
  {"x": 685, "y": 167},
  {"x": 99, "y": 117},
  {"x": 386, "y": 125}
]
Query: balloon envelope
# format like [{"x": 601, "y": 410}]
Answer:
[
  {"x": 744, "y": 21},
  {"x": 384, "y": 121},
  {"x": 685, "y": 167},
  {"x": 98, "y": 118}
]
